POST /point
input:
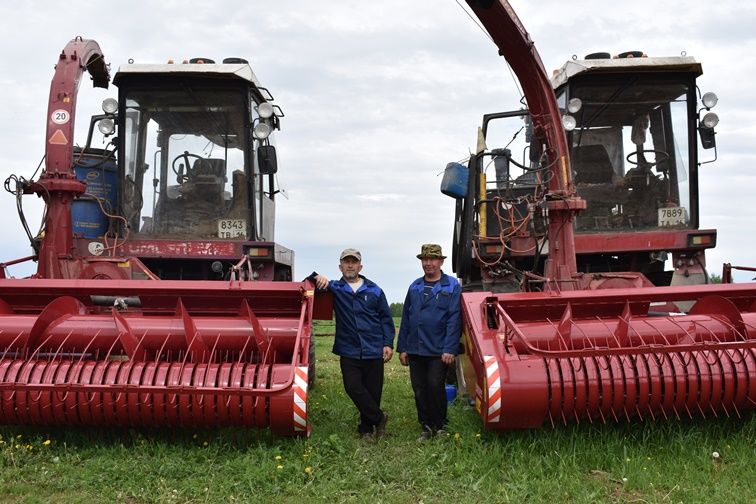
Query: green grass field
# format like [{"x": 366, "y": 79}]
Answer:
[{"x": 648, "y": 462}]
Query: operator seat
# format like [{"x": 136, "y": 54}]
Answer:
[
  {"x": 192, "y": 208},
  {"x": 592, "y": 165},
  {"x": 208, "y": 170}
]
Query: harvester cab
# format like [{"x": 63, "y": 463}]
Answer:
[
  {"x": 191, "y": 178},
  {"x": 632, "y": 124}
]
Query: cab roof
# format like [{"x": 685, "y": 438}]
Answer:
[
  {"x": 231, "y": 70},
  {"x": 680, "y": 64}
]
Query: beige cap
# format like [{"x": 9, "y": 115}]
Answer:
[
  {"x": 350, "y": 252},
  {"x": 431, "y": 251}
]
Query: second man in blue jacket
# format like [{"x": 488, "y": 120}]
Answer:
[{"x": 429, "y": 338}]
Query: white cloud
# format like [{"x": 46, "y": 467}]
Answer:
[{"x": 378, "y": 98}]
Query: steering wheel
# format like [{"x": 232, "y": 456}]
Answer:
[
  {"x": 660, "y": 156},
  {"x": 181, "y": 177}
]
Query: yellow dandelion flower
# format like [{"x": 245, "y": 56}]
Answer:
[
  {"x": 18, "y": 437},
  {"x": 279, "y": 467},
  {"x": 308, "y": 470},
  {"x": 477, "y": 435},
  {"x": 457, "y": 436},
  {"x": 204, "y": 443},
  {"x": 278, "y": 457},
  {"x": 194, "y": 436},
  {"x": 46, "y": 442}
]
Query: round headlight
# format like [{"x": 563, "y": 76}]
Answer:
[
  {"x": 709, "y": 99},
  {"x": 574, "y": 105},
  {"x": 110, "y": 105},
  {"x": 265, "y": 110},
  {"x": 262, "y": 130},
  {"x": 710, "y": 120},
  {"x": 569, "y": 122},
  {"x": 106, "y": 126}
]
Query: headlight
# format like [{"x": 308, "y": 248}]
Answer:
[
  {"x": 709, "y": 99},
  {"x": 574, "y": 105},
  {"x": 710, "y": 120},
  {"x": 265, "y": 110},
  {"x": 569, "y": 122},
  {"x": 110, "y": 105},
  {"x": 106, "y": 126},
  {"x": 262, "y": 130}
]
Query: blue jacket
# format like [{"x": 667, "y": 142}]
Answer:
[
  {"x": 431, "y": 326},
  {"x": 363, "y": 320}
]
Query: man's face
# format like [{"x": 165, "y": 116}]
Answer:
[
  {"x": 350, "y": 268},
  {"x": 432, "y": 266}
]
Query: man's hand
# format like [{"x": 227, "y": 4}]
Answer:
[
  {"x": 321, "y": 282},
  {"x": 387, "y": 353},
  {"x": 448, "y": 358},
  {"x": 404, "y": 358}
]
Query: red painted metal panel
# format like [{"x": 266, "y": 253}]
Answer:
[
  {"x": 64, "y": 360},
  {"x": 598, "y": 356},
  {"x": 228, "y": 250}
]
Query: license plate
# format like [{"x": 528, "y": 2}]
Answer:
[
  {"x": 232, "y": 228},
  {"x": 674, "y": 216}
]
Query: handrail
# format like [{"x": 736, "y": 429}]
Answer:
[{"x": 512, "y": 331}]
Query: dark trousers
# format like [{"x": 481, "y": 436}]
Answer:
[
  {"x": 363, "y": 383},
  {"x": 428, "y": 377}
]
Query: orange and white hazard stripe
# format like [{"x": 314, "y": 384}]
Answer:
[
  {"x": 493, "y": 389},
  {"x": 300, "y": 399}
]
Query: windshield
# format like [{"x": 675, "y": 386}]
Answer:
[
  {"x": 184, "y": 162},
  {"x": 629, "y": 154}
]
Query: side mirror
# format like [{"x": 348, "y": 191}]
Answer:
[
  {"x": 266, "y": 159},
  {"x": 501, "y": 165},
  {"x": 707, "y": 137}
]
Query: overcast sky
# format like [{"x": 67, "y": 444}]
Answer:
[{"x": 378, "y": 97}]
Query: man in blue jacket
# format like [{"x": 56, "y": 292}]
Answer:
[
  {"x": 429, "y": 338},
  {"x": 364, "y": 339}
]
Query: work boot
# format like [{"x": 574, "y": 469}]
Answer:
[
  {"x": 380, "y": 429},
  {"x": 425, "y": 435}
]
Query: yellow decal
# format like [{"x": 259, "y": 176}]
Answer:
[
  {"x": 482, "y": 222},
  {"x": 565, "y": 180}
]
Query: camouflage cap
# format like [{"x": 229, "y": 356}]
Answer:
[
  {"x": 431, "y": 251},
  {"x": 350, "y": 252}
]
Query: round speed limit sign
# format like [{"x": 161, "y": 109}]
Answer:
[{"x": 60, "y": 116}]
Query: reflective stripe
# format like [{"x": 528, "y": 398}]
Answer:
[
  {"x": 493, "y": 392},
  {"x": 300, "y": 399}
]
